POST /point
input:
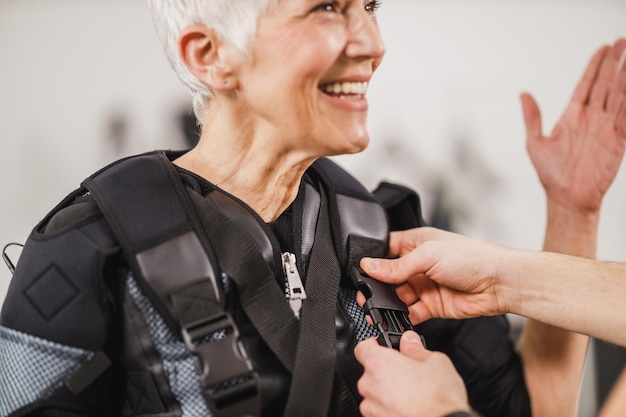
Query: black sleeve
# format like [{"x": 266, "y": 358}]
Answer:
[
  {"x": 485, "y": 357},
  {"x": 57, "y": 321}
]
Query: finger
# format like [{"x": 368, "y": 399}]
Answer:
[
  {"x": 620, "y": 121},
  {"x": 617, "y": 90},
  {"x": 619, "y": 51},
  {"x": 400, "y": 242},
  {"x": 365, "y": 349},
  {"x": 532, "y": 119},
  {"x": 407, "y": 240},
  {"x": 601, "y": 87},
  {"x": 419, "y": 313},
  {"x": 360, "y": 299},
  {"x": 396, "y": 271},
  {"x": 408, "y": 293},
  {"x": 371, "y": 408},
  {"x": 582, "y": 91},
  {"x": 411, "y": 345}
]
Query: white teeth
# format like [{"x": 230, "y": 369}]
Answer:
[{"x": 345, "y": 88}]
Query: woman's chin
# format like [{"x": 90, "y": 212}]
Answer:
[
  {"x": 348, "y": 150},
  {"x": 359, "y": 144}
]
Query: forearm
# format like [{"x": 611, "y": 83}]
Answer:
[
  {"x": 554, "y": 357},
  {"x": 581, "y": 295}
]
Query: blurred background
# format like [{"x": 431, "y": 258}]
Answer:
[{"x": 83, "y": 83}]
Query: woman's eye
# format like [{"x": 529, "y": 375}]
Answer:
[
  {"x": 328, "y": 7},
  {"x": 372, "y": 6}
]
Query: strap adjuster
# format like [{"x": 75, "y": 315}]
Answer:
[
  {"x": 389, "y": 314},
  {"x": 230, "y": 385}
]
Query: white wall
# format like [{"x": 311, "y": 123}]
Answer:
[
  {"x": 67, "y": 67},
  {"x": 453, "y": 72},
  {"x": 452, "y": 75}
]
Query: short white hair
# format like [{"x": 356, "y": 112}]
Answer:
[{"x": 235, "y": 21}]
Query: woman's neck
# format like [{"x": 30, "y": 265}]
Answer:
[{"x": 248, "y": 162}]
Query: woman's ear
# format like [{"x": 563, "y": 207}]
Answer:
[{"x": 200, "y": 49}]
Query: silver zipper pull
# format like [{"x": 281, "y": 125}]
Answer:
[{"x": 295, "y": 290}]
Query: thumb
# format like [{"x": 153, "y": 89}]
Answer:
[
  {"x": 532, "y": 118},
  {"x": 385, "y": 270},
  {"x": 411, "y": 345}
]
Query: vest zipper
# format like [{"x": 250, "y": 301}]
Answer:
[{"x": 294, "y": 289}]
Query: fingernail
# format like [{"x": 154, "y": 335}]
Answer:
[{"x": 370, "y": 263}]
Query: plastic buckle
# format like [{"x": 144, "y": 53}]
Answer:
[
  {"x": 222, "y": 361},
  {"x": 389, "y": 314}
]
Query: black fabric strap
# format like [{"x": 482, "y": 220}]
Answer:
[
  {"x": 261, "y": 298},
  {"x": 150, "y": 211},
  {"x": 314, "y": 370},
  {"x": 344, "y": 403},
  {"x": 88, "y": 373},
  {"x": 147, "y": 207}
]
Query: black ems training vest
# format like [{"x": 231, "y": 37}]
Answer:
[
  {"x": 178, "y": 244},
  {"x": 200, "y": 284}
]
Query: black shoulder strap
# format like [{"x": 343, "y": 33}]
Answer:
[
  {"x": 360, "y": 227},
  {"x": 147, "y": 208},
  {"x": 359, "y": 222},
  {"x": 150, "y": 213},
  {"x": 314, "y": 368}
]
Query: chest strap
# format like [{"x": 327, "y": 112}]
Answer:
[
  {"x": 147, "y": 207},
  {"x": 361, "y": 229},
  {"x": 306, "y": 347}
]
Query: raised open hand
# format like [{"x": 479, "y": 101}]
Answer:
[{"x": 579, "y": 160}]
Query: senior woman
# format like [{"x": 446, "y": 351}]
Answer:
[{"x": 213, "y": 281}]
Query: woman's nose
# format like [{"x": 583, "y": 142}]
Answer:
[{"x": 364, "y": 38}]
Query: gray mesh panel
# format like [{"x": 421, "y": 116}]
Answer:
[
  {"x": 32, "y": 368},
  {"x": 179, "y": 364},
  {"x": 362, "y": 329}
]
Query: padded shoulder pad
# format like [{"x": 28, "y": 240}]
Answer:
[
  {"x": 341, "y": 181},
  {"x": 359, "y": 222},
  {"x": 56, "y": 292},
  {"x": 402, "y": 205}
]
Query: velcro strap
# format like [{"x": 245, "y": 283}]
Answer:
[{"x": 88, "y": 373}]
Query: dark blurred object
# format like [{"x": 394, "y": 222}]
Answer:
[
  {"x": 190, "y": 127},
  {"x": 609, "y": 361},
  {"x": 117, "y": 134}
]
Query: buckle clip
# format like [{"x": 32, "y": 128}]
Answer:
[
  {"x": 389, "y": 314},
  {"x": 230, "y": 384}
]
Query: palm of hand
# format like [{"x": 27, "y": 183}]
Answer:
[{"x": 580, "y": 159}]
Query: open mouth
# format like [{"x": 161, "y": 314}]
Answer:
[{"x": 345, "y": 90}]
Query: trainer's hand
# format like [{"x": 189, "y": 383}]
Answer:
[
  {"x": 441, "y": 274},
  {"x": 414, "y": 382}
]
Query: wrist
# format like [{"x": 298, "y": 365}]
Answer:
[
  {"x": 571, "y": 230},
  {"x": 509, "y": 280},
  {"x": 571, "y": 216}
]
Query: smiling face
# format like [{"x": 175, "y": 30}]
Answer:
[{"x": 307, "y": 73}]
